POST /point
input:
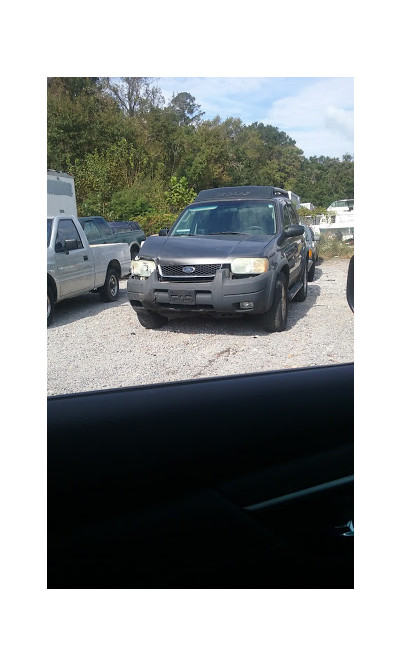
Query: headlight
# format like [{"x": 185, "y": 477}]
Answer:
[
  {"x": 142, "y": 267},
  {"x": 249, "y": 265}
]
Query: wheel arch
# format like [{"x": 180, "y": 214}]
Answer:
[
  {"x": 114, "y": 264},
  {"x": 283, "y": 267},
  {"x": 134, "y": 248}
]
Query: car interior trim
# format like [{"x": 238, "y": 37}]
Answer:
[{"x": 298, "y": 494}]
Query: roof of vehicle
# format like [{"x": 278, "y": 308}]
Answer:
[
  {"x": 123, "y": 222},
  {"x": 241, "y": 192},
  {"x": 92, "y": 217},
  {"x": 54, "y": 172}
]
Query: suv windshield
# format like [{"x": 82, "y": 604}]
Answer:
[{"x": 244, "y": 217}]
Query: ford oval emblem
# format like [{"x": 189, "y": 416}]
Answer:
[{"x": 188, "y": 269}]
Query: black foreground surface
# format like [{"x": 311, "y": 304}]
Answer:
[{"x": 221, "y": 483}]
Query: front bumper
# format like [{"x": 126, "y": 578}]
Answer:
[{"x": 221, "y": 295}]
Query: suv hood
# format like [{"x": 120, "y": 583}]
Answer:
[{"x": 208, "y": 249}]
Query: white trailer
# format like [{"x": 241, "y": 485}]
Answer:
[
  {"x": 61, "y": 199},
  {"x": 295, "y": 199}
]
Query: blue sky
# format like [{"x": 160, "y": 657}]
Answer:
[{"x": 316, "y": 112}]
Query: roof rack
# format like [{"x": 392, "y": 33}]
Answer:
[{"x": 242, "y": 192}]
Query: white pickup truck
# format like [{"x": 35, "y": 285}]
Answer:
[{"x": 74, "y": 267}]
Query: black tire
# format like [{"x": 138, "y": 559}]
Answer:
[
  {"x": 302, "y": 293},
  {"x": 311, "y": 273},
  {"x": 276, "y": 318},
  {"x": 110, "y": 289},
  {"x": 50, "y": 305},
  {"x": 134, "y": 251},
  {"x": 151, "y": 320}
]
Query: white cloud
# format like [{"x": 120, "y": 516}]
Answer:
[
  {"x": 340, "y": 121},
  {"x": 319, "y": 117}
]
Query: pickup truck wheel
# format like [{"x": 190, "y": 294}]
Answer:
[
  {"x": 302, "y": 293},
  {"x": 150, "y": 320},
  {"x": 276, "y": 317},
  {"x": 110, "y": 289},
  {"x": 50, "y": 305}
]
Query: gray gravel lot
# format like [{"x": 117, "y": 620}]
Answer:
[{"x": 93, "y": 345}]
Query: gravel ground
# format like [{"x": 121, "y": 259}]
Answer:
[{"x": 93, "y": 345}]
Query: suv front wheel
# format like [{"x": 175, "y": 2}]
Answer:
[{"x": 276, "y": 317}]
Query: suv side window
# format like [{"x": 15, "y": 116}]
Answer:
[
  {"x": 293, "y": 215},
  {"x": 67, "y": 231},
  {"x": 103, "y": 229}
]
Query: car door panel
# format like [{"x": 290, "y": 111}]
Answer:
[{"x": 75, "y": 267}]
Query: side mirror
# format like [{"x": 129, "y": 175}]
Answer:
[
  {"x": 163, "y": 232},
  {"x": 350, "y": 284},
  {"x": 293, "y": 230},
  {"x": 70, "y": 244}
]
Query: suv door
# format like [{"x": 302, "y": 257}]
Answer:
[
  {"x": 290, "y": 245},
  {"x": 75, "y": 267},
  {"x": 300, "y": 243}
]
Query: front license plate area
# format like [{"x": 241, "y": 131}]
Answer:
[{"x": 182, "y": 297}]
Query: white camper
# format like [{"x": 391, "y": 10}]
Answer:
[{"x": 61, "y": 198}]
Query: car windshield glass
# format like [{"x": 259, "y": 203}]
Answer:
[
  {"x": 49, "y": 228},
  {"x": 243, "y": 217}
]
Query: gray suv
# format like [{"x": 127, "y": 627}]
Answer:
[{"x": 235, "y": 251}]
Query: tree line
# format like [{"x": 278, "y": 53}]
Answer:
[{"x": 135, "y": 156}]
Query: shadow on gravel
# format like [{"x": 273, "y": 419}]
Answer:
[
  {"x": 240, "y": 326},
  {"x": 87, "y": 305},
  {"x": 317, "y": 275}
]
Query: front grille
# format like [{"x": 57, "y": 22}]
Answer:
[{"x": 200, "y": 271}]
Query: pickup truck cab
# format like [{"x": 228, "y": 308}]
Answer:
[
  {"x": 98, "y": 231},
  {"x": 74, "y": 267},
  {"x": 234, "y": 251}
]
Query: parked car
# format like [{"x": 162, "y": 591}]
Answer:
[
  {"x": 127, "y": 226},
  {"x": 312, "y": 252},
  {"x": 74, "y": 267},
  {"x": 235, "y": 251},
  {"x": 98, "y": 230}
]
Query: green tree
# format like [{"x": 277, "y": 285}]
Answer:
[
  {"x": 179, "y": 194},
  {"x": 133, "y": 94},
  {"x": 185, "y": 109},
  {"x": 123, "y": 147},
  {"x": 80, "y": 121}
]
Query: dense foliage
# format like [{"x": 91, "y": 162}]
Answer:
[{"x": 135, "y": 157}]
